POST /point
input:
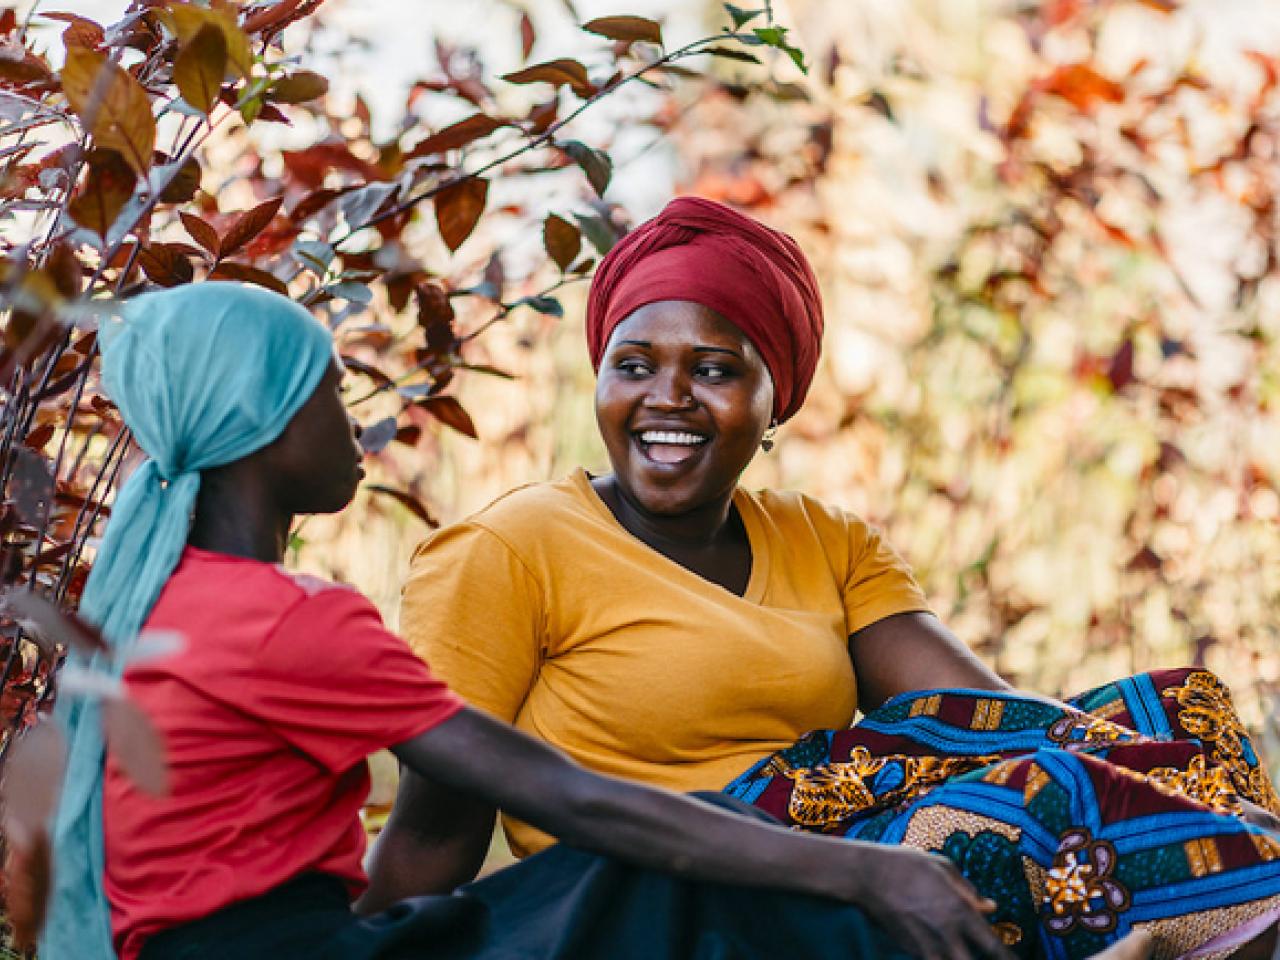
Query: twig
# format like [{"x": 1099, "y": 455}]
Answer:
[{"x": 688, "y": 50}]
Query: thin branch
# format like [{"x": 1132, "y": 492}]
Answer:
[{"x": 688, "y": 50}]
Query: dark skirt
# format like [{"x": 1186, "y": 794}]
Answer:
[{"x": 562, "y": 904}]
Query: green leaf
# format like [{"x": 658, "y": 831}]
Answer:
[
  {"x": 741, "y": 17},
  {"x": 776, "y": 37},
  {"x": 598, "y": 230},
  {"x": 728, "y": 53},
  {"x": 594, "y": 163},
  {"x": 199, "y": 68},
  {"x": 548, "y": 305}
]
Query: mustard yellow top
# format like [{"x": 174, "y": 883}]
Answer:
[{"x": 543, "y": 610}]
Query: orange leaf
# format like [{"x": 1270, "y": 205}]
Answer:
[
  {"x": 80, "y": 32},
  {"x": 112, "y": 105},
  {"x": 458, "y": 209},
  {"x": 201, "y": 232},
  {"x": 557, "y": 72},
  {"x": 456, "y": 135},
  {"x": 249, "y": 225},
  {"x": 625, "y": 29},
  {"x": 109, "y": 183},
  {"x": 450, "y": 412},
  {"x": 1082, "y": 86},
  {"x": 562, "y": 240},
  {"x": 188, "y": 19},
  {"x": 200, "y": 68}
]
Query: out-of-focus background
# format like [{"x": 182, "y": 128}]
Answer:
[
  {"x": 1045, "y": 236},
  {"x": 1046, "y": 233}
]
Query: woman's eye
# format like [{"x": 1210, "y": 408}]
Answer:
[
  {"x": 714, "y": 372},
  {"x": 633, "y": 367}
]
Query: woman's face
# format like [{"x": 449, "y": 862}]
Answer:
[
  {"x": 316, "y": 461},
  {"x": 683, "y": 400}
]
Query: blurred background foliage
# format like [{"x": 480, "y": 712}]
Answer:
[
  {"x": 1047, "y": 238},
  {"x": 1046, "y": 233}
]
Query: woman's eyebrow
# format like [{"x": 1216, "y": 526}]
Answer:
[{"x": 705, "y": 349}]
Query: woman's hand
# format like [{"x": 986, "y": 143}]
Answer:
[{"x": 925, "y": 906}]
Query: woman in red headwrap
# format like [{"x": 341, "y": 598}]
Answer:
[{"x": 661, "y": 623}]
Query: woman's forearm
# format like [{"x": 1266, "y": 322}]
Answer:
[{"x": 682, "y": 835}]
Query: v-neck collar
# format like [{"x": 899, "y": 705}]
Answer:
[{"x": 757, "y": 580}]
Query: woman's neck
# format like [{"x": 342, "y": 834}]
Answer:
[
  {"x": 705, "y": 526},
  {"x": 235, "y": 515}
]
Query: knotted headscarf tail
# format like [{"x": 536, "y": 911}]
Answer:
[
  {"x": 755, "y": 277},
  {"x": 203, "y": 375}
]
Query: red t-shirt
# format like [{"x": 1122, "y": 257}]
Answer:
[{"x": 284, "y": 685}]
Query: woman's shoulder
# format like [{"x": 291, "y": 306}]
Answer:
[
  {"x": 518, "y": 519},
  {"x": 790, "y": 508}
]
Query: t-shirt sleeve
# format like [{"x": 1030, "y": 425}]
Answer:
[
  {"x": 475, "y": 613},
  {"x": 338, "y": 686},
  {"x": 879, "y": 582}
]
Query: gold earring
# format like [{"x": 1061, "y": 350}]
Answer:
[{"x": 767, "y": 443}]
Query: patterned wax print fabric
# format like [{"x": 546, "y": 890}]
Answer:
[{"x": 1118, "y": 812}]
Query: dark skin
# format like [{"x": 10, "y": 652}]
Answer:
[{"x": 246, "y": 509}]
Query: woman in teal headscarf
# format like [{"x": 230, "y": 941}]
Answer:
[{"x": 284, "y": 684}]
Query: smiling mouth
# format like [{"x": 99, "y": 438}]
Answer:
[{"x": 670, "y": 446}]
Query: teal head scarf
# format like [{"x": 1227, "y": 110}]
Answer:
[{"x": 203, "y": 375}]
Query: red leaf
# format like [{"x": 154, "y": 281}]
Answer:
[
  {"x": 560, "y": 73},
  {"x": 80, "y": 32},
  {"x": 528, "y": 36},
  {"x": 201, "y": 232},
  {"x": 53, "y": 625},
  {"x": 625, "y": 29},
  {"x": 109, "y": 183},
  {"x": 406, "y": 499},
  {"x": 249, "y": 225},
  {"x": 450, "y": 412},
  {"x": 457, "y": 135},
  {"x": 458, "y": 210},
  {"x": 38, "y": 438},
  {"x": 1120, "y": 370},
  {"x": 562, "y": 240},
  {"x": 164, "y": 264},
  {"x": 434, "y": 308},
  {"x": 245, "y": 273}
]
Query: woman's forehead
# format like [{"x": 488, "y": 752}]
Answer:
[{"x": 679, "y": 322}]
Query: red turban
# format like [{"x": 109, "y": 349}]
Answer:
[{"x": 755, "y": 277}]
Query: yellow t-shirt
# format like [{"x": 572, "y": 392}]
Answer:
[{"x": 543, "y": 610}]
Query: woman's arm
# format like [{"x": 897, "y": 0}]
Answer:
[
  {"x": 435, "y": 839},
  {"x": 920, "y": 899},
  {"x": 914, "y": 651}
]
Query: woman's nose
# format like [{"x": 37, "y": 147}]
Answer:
[{"x": 670, "y": 391}]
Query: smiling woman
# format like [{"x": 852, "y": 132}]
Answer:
[{"x": 663, "y": 624}]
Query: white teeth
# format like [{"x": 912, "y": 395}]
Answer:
[{"x": 669, "y": 437}]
